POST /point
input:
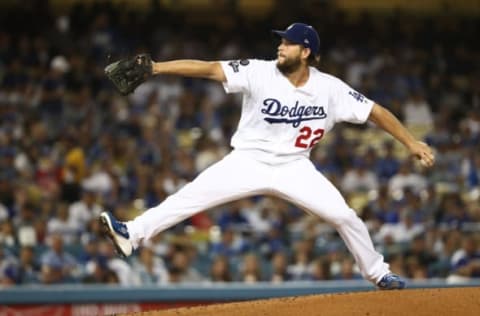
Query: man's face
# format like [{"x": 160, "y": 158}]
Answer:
[{"x": 288, "y": 56}]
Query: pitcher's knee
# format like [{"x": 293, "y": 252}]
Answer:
[{"x": 345, "y": 217}]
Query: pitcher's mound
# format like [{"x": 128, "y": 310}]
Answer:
[{"x": 419, "y": 302}]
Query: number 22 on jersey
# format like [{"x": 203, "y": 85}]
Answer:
[{"x": 308, "y": 138}]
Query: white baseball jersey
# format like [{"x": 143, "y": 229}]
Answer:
[
  {"x": 280, "y": 121},
  {"x": 279, "y": 125}
]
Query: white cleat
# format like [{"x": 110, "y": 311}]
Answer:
[{"x": 118, "y": 233}]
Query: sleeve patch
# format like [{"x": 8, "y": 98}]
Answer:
[
  {"x": 358, "y": 96},
  {"x": 235, "y": 64}
]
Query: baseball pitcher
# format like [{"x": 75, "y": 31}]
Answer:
[{"x": 288, "y": 106}]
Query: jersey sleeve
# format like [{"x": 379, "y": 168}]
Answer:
[
  {"x": 348, "y": 104},
  {"x": 239, "y": 74}
]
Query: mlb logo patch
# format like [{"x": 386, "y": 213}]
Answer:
[{"x": 358, "y": 96}]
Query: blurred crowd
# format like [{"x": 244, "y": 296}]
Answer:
[{"x": 71, "y": 147}]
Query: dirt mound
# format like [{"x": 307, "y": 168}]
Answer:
[{"x": 438, "y": 302}]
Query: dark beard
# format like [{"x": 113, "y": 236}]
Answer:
[{"x": 289, "y": 66}]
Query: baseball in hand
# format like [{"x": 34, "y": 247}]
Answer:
[
  {"x": 425, "y": 155},
  {"x": 424, "y": 163}
]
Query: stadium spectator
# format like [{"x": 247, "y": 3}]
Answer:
[
  {"x": 407, "y": 177},
  {"x": 452, "y": 211},
  {"x": 182, "y": 270},
  {"x": 465, "y": 262},
  {"x": 384, "y": 208},
  {"x": 424, "y": 257},
  {"x": 417, "y": 111},
  {"x": 470, "y": 169},
  {"x": 60, "y": 224},
  {"x": 299, "y": 268},
  {"x": 271, "y": 242},
  {"x": 280, "y": 272},
  {"x": 150, "y": 268},
  {"x": 359, "y": 179},
  {"x": 402, "y": 232},
  {"x": 25, "y": 225},
  {"x": 231, "y": 244},
  {"x": 388, "y": 164},
  {"x": 8, "y": 269},
  {"x": 7, "y": 234},
  {"x": 220, "y": 270},
  {"x": 320, "y": 270},
  {"x": 84, "y": 210},
  {"x": 121, "y": 268},
  {"x": 251, "y": 269},
  {"x": 28, "y": 266},
  {"x": 98, "y": 272},
  {"x": 57, "y": 265},
  {"x": 348, "y": 270}
]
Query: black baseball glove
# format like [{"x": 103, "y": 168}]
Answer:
[{"x": 128, "y": 73}]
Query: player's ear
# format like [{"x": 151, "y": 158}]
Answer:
[
  {"x": 313, "y": 60},
  {"x": 306, "y": 52}
]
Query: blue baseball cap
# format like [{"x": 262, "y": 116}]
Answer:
[{"x": 302, "y": 34}]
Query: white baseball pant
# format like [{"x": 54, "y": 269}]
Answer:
[{"x": 239, "y": 175}]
